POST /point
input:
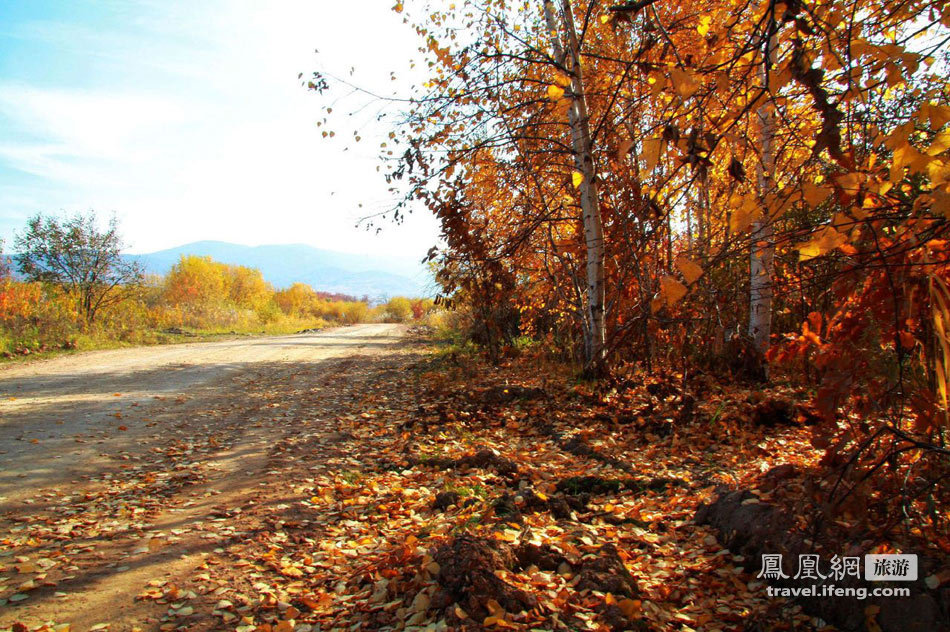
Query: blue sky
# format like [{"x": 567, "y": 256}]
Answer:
[{"x": 187, "y": 119}]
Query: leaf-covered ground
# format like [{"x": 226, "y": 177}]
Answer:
[{"x": 412, "y": 490}]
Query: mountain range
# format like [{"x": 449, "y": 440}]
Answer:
[{"x": 375, "y": 276}]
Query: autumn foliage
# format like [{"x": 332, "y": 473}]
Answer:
[
  {"x": 756, "y": 190},
  {"x": 197, "y": 295}
]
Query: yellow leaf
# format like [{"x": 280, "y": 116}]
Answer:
[
  {"x": 683, "y": 82},
  {"x": 704, "y": 23},
  {"x": 939, "y": 115},
  {"x": 688, "y": 269},
  {"x": 822, "y": 242},
  {"x": 850, "y": 182},
  {"x": 941, "y": 143},
  {"x": 742, "y": 217},
  {"x": 671, "y": 290},
  {"x": 815, "y": 194},
  {"x": 907, "y": 156},
  {"x": 624, "y": 148},
  {"x": 555, "y": 92},
  {"x": 652, "y": 150},
  {"x": 939, "y": 173},
  {"x": 940, "y": 203},
  {"x": 577, "y": 178}
]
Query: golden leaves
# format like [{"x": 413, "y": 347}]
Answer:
[
  {"x": 689, "y": 269},
  {"x": 652, "y": 152},
  {"x": 671, "y": 291},
  {"x": 815, "y": 194},
  {"x": 850, "y": 183},
  {"x": 704, "y": 23},
  {"x": 748, "y": 211},
  {"x": 822, "y": 242},
  {"x": 907, "y": 156},
  {"x": 577, "y": 178},
  {"x": 938, "y": 115},
  {"x": 555, "y": 93},
  {"x": 940, "y": 143},
  {"x": 624, "y": 149},
  {"x": 684, "y": 82}
]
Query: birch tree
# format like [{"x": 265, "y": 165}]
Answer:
[
  {"x": 763, "y": 246},
  {"x": 582, "y": 147}
]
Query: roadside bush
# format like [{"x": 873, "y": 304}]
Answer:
[
  {"x": 354, "y": 313},
  {"x": 198, "y": 294},
  {"x": 397, "y": 310},
  {"x": 34, "y": 317}
]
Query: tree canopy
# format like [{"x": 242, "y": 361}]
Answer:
[{"x": 78, "y": 255}]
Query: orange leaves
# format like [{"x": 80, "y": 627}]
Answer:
[
  {"x": 940, "y": 144},
  {"x": 497, "y": 616},
  {"x": 748, "y": 210},
  {"x": 936, "y": 115},
  {"x": 822, "y": 242},
  {"x": 555, "y": 93},
  {"x": 689, "y": 269},
  {"x": 684, "y": 82},
  {"x": 811, "y": 329},
  {"x": 908, "y": 156},
  {"x": 815, "y": 194},
  {"x": 671, "y": 291},
  {"x": 624, "y": 149},
  {"x": 850, "y": 183},
  {"x": 652, "y": 152}
]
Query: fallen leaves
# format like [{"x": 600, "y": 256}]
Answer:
[{"x": 342, "y": 529}]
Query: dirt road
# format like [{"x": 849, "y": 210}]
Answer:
[{"x": 118, "y": 457}]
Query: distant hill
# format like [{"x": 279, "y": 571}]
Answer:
[{"x": 323, "y": 270}]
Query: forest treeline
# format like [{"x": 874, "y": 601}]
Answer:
[{"x": 197, "y": 296}]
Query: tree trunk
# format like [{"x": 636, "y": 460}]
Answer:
[
  {"x": 763, "y": 248},
  {"x": 581, "y": 143}
]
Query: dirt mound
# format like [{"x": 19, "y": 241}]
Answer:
[{"x": 467, "y": 576}]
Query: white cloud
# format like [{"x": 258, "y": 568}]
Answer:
[
  {"x": 197, "y": 127},
  {"x": 82, "y": 125}
]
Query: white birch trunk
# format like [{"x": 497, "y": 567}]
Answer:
[
  {"x": 581, "y": 143},
  {"x": 763, "y": 248}
]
